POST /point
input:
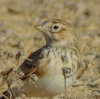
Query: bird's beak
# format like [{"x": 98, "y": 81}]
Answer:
[{"x": 39, "y": 27}]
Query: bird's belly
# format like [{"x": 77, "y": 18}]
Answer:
[
  {"x": 55, "y": 86},
  {"x": 48, "y": 86}
]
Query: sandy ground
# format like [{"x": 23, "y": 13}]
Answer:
[{"x": 17, "y": 33}]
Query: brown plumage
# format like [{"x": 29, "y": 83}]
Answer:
[{"x": 61, "y": 50}]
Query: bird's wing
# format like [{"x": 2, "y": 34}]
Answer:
[{"x": 31, "y": 64}]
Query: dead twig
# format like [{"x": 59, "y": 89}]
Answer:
[{"x": 66, "y": 72}]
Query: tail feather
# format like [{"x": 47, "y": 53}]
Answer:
[{"x": 5, "y": 95}]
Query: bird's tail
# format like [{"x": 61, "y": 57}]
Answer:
[{"x": 5, "y": 95}]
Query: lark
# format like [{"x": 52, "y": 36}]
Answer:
[{"x": 59, "y": 59}]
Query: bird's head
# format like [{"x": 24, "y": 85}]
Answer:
[{"x": 57, "y": 32}]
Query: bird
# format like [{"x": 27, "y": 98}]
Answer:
[{"x": 58, "y": 64}]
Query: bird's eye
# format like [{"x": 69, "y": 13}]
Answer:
[{"x": 56, "y": 27}]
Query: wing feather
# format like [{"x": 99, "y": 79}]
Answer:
[{"x": 31, "y": 64}]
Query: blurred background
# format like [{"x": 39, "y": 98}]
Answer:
[{"x": 17, "y": 33}]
